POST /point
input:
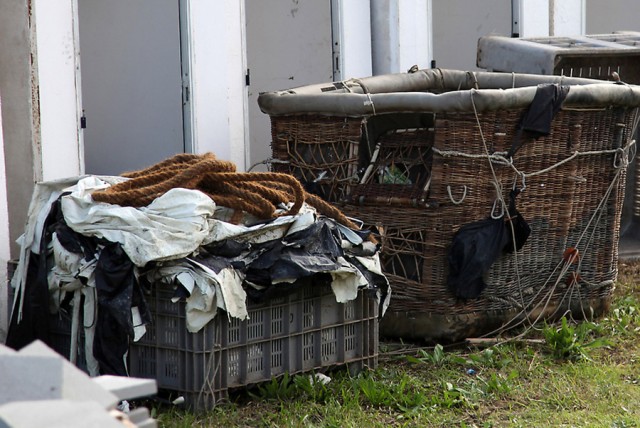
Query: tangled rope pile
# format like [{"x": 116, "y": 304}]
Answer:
[{"x": 257, "y": 193}]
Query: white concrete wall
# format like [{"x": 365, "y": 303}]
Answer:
[
  {"x": 61, "y": 148},
  {"x": 218, "y": 83},
  {"x": 543, "y": 18},
  {"x": 5, "y": 247},
  {"x": 568, "y": 17},
  {"x": 458, "y": 24},
  {"x": 606, "y": 16},
  {"x": 534, "y": 18},
  {"x": 16, "y": 90}
]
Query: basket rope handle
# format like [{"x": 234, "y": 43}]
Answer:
[{"x": 464, "y": 194}]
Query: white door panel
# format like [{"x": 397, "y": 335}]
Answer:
[
  {"x": 131, "y": 83},
  {"x": 288, "y": 45}
]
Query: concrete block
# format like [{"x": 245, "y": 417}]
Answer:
[
  {"x": 141, "y": 418},
  {"x": 5, "y": 350},
  {"x": 70, "y": 382},
  {"x": 30, "y": 378},
  {"x": 127, "y": 388},
  {"x": 56, "y": 414}
]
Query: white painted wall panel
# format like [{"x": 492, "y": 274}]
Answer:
[
  {"x": 61, "y": 142},
  {"x": 415, "y": 34},
  {"x": 458, "y": 24},
  {"x": 534, "y": 18},
  {"x": 131, "y": 83},
  {"x": 16, "y": 93},
  {"x": 288, "y": 45},
  {"x": 401, "y": 35},
  {"x": 569, "y": 17},
  {"x": 218, "y": 70},
  {"x": 5, "y": 244},
  {"x": 606, "y": 16},
  {"x": 355, "y": 37}
]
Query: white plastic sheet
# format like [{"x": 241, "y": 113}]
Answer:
[{"x": 172, "y": 226}]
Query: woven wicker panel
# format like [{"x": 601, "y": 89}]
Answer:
[
  {"x": 404, "y": 235},
  {"x": 569, "y": 202},
  {"x": 400, "y": 169},
  {"x": 321, "y": 152},
  {"x": 595, "y": 226}
]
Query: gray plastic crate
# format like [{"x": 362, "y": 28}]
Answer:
[{"x": 304, "y": 331}]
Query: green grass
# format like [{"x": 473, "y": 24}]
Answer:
[{"x": 580, "y": 375}]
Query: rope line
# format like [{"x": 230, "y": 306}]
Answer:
[
  {"x": 562, "y": 268},
  {"x": 499, "y": 158}
]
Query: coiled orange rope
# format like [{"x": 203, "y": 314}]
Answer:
[{"x": 257, "y": 193}]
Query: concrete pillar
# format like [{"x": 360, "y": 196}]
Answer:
[
  {"x": 18, "y": 90},
  {"x": 5, "y": 249},
  {"x": 401, "y": 35}
]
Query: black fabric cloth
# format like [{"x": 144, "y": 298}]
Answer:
[
  {"x": 304, "y": 257},
  {"x": 35, "y": 311},
  {"x": 227, "y": 248},
  {"x": 546, "y": 103},
  {"x": 311, "y": 251},
  {"x": 476, "y": 246},
  {"x": 519, "y": 230},
  {"x": 116, "y": 287},
  {"x": 536, "y": 121},
  {"x": 74, "y": 242},
  {"x": 474, "y": 249},
  {"x": 117, "y": 292}
]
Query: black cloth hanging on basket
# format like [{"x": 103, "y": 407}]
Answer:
[
  {"x": 476, "y": 246},
  {"x": 517, "y": 227},
  {"x": 536, "y": 121}
]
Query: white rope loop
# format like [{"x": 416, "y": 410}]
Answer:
[{"x": 459, "y": 201}]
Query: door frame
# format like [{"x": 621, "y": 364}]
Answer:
[{"x": 186, "y": 67}]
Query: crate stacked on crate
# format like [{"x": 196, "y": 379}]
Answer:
[{"x": 418, "y": 185}]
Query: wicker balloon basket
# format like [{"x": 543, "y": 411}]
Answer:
[{"x": 418, "y": 156}]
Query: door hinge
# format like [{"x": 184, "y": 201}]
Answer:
[
  {"x": 247, "y": 77},
  {"x": 83, "y": 121}
]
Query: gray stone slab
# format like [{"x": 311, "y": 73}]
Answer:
[
  {"x": 127, "y": 388},
  {"x": 56, "y": 414},
  {"x": 30, "y": 378},
  {"x": 5, "y": 350},
  {"x": 75, "y": 384},
  {"x": 141, "y": 418}
]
